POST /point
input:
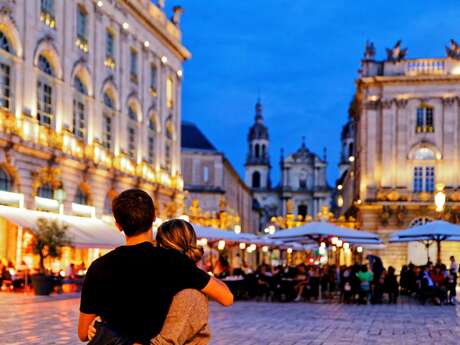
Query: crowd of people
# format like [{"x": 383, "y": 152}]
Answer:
[{"x": 359, "y": 283}]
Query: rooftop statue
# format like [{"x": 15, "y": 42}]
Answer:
[
  {"x": 396, "y": 54},
  {"x": 454, "y": 50},
  {"x": 177, "y": 13},
  {"x": 369, "y": 52}
]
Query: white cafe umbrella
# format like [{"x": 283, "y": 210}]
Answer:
[
  {"x": 436, "y": 231},
  {"x": 314, "y": 232}
]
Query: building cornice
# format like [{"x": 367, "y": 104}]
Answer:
[{"x": 159, "y": 29}]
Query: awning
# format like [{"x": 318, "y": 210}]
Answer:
[{"x": 83, "y": 232}]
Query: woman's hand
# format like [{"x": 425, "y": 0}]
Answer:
[{"x": 92, "y": 328}]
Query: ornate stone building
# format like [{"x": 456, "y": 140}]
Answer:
[
  {"x": 303, "y": 188},
  {"x": 213, "y": 185},
  {"x": 90, "y": 98},
  {"x": 407, "y": 146}
]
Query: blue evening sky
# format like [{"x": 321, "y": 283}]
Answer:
[{"x": 301, "y": 57}]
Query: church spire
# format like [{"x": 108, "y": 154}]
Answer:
[{"x": 259, "y": 116}]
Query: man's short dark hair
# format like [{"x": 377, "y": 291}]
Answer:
[{"x": 134, "y": 211}]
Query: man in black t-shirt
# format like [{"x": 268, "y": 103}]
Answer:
[{"x": 131, "y": 288}]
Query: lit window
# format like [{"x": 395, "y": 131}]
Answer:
[
  {"x": 132, "y": 142},
  {"x": 5, "y": 181},
  {"x": 424, "y": 179},
  {"x": 425, "y": 122},
  {"x": 5, "y": 86},
  {"x": 107, "y": 130},
  {"x": 168, "y": 154},
  {"x": 79, "y": 118},
  {"x": 47, "y": 13},
  {"x": 45, "y": 109}
]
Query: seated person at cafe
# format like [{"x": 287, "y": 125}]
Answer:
[{"x": 132, "y": 287}]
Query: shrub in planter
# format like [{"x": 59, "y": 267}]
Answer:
[{"x": 49, "y": 239}]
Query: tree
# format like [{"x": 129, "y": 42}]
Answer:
[{"x": 50, "y": 237}]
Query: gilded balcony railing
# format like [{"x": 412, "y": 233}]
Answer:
[{"x": 28, "y": 129}]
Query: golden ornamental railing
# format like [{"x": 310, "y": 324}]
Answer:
[{"x": 30, "y": 130}]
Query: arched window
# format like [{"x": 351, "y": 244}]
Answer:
[
  {"x": 79, "y": 108},
  {"x": 5, "y": 43},
  {"x": 257, "y": 151},
  {"x": 6, "y": 183},
  {"x": 424, "y": 153},
  {"x": 5, "y": 74},
  {"x": 302, "y": 210},
  {"x": 169, "y": 138},
  {"x": 263, "y": 151},
  {"x": 80, "y": 86},
  {"x": 107, "y": 121},
  {"x": 45, "y": 93},
  {"x": 45, "y": 66},
  {"x": 132, "y": 132},
  {"x": 81, "y": 197},
  {"x": 350, "y": 149},
  {"x": 256, "y": 179},
  {"x": 46, "y": 191}
]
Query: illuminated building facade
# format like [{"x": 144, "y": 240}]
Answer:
[
  {"x": 407, "y": 144},
  {"x": 90, "y": 105}
]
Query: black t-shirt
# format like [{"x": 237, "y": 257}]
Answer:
[{"x": 132, "y": 287}]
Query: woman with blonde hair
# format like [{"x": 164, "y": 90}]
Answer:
[{"x": 187, "y": 319}]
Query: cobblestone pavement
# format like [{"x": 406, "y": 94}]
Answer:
[{"x": 52, "y": 320}]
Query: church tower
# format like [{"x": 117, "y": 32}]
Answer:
[{"x": 258, "y": 161}]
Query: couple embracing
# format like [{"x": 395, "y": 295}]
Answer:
[{"x": 145, "y": 293}]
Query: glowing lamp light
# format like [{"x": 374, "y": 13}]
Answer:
[
  {"x": 340, "y": 201},
  {"x": 146, "y": 44},
  {"x": 271, "y": 229},
  {"x": 322, "y": 250},
  {"x": 265, "y": 249},
  {"x": 242, "y": 246},
  {"x": 289, "y": 250},
  {"x": 440, "y": 198},
  {"x": 351, "y": 159},
  {"x": 346, "y": 246},
  {"x": 359, "y": 249},
  {"x": 179, "y": 73},
  {"x": 100, "y": 3},
  {"x": 339, "y": 187},
  {"x": 334, "y": 248},
  {"x": 237, "y": 229},
  {"x": 221, "y": 245},
  {"x": 164, "y": 59},
  {"x": 125, "y": 26},
  {"x": 322, "y": 245},
  {"x": 339, "y": 243},
  {"x": 334, "y": 240}
]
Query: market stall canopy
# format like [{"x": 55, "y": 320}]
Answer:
[
  {"x": 438, "y": 230},
  {"x": 83, "y": 232},
  {"x": 315, "y": 231}
]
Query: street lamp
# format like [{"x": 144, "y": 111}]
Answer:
[{"x": 440, "y": 198}]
